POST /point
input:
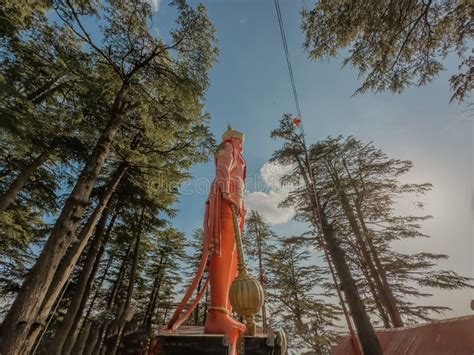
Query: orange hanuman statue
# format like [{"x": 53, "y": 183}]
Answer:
[{"x": 219, "y": 251}]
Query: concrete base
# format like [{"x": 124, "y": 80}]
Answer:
[{"x": 192, "y": 341}]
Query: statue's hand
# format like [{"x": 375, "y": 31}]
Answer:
[{"x": 233, "y": 204}]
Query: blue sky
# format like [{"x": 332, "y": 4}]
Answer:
[{"x": 250, "y": 89}]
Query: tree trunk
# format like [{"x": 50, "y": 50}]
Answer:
[
  {"x": 17, "y": 185},
  {"x": 206, "y": 305},
  {"x": 80, "y": 344},
  {"x": 84, "y": 344},
  {"x": 65, "y": 334},
  {"x": 69, "y": 261},
  {"x": 99, "y": 286},
  {"x": 261, "y": 274},
  {"x": 393, "y": 303},
  {"x": 168, "y": 307},
  {"x": 95, "y": 343},
  {"x": 147, "y": 323},
  {"x": 153, "y": 304},
  {"x": 24, "y": 310},
  {"x": 368, "y": 338},
  {"x": 93, "y": 338},
  {"x": 381, "y": 290},
  {"x": 123, "y": 315},
  {"x": 382, "y": 312},
  {"x": 354, "y": 340},
  {"x": 317, "y": 346},
  {"x": 366, "y": 334},
  {"x": 196, "y": 311},
  {"x": 74, "y": 332}
]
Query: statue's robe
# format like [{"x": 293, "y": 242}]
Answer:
[{"x": 230, "y": 178}]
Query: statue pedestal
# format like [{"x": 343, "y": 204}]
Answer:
[{"x": 192, "y": 341}]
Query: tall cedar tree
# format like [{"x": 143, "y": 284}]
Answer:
[
  {"x": 43, "y": 135},
  {"x": 153, "y": 173},
  {"x": 42, "y": 77},
  {"x": 394, "y": 44},
  {"x": 195, "y": 249},
  {"x": 298, "y": 298},
  {"x": 311, "y": 204},
  {"x": 257, "y": 241},
  {"x": 165, "y": 259},
  {"x": 138, "y": 68},
  {"x": 365, "y": 186},
  {"x": 360, "y": 187}
]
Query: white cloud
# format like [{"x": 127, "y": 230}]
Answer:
[
  {"x": 267, "y": 205},
  {"x": 271, "y": 174},
  {"x": 266, "y": 202}
]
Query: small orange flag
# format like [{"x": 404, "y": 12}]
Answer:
[{"x": 297, "y": 121}]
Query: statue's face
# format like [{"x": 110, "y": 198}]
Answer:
[{"x": 238, "y": 144}]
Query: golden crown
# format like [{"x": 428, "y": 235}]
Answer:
[{"x": 231, "y": 133}]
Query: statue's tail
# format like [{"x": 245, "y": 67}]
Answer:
[{"x": 177, "y": 319}]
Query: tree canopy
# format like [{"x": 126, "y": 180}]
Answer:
[{"x": 394, "y": 44}]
